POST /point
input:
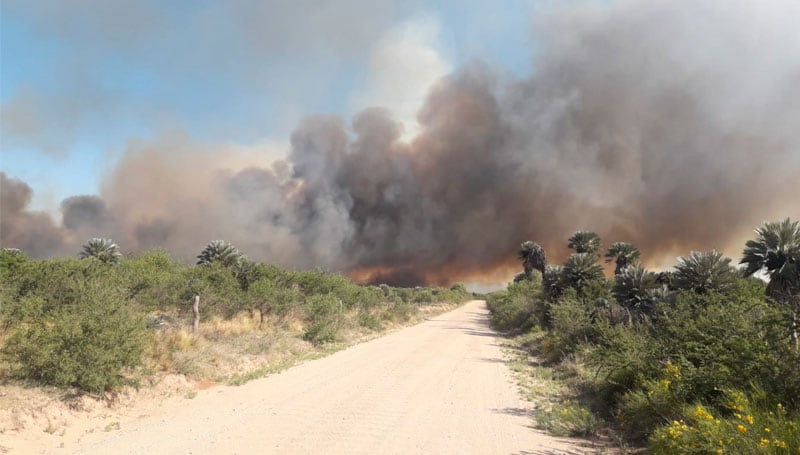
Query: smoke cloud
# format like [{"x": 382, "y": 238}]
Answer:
[{"x": 671, "y": 127}]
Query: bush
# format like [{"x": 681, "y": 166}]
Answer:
[
  {"x": 154, "y": 280},
  {"x": 568, "y": 419},
  {"x": 327, "y": 318},
  {"x": 517, "y": 309},
  {"x": 744, "y": 427},
  {"x": 572, "y": 326},
  {"x": 86, "y": 340}
]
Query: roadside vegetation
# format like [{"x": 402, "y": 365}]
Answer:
[
  {"x": 102, "y": 321},
  {"x": 700, "y": 359}
]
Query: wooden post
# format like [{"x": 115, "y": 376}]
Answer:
[{"x": 196, "y": 312}]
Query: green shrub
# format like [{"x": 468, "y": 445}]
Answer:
[
  {"x": 88, "y": 339},
  {"x": 400, "y": 311},
  {"x": 369, "y": 321},
  {"x": 327, "y": 318},
  {"x": 511, "y": 312},
  {"x": 153, "y": 280},
  {"x": 568, "y": 419},
  {"x": 517, "y": 309},
  {"x": 219, "y": 290},
  {"x": 572, "y": 326},
  {"x": 745, "y": 426}
]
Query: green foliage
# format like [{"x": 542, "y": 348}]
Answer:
[
  {"x": 85, "y": 335},
  {"x": 80, "y": 323},
  {"x": 553, "y": 283},
  {"x": 777, "y": 251},
  {"x": 585, "y": 242},
  {"x": 217, "y": 287},
  {"x": 326, "y": 314},
  {"x": 11, "y": 259},
  {"x": 708, "y": 361},
  {"x": 221, "y": 252},
  {"x": 581, "y": 269},
  {"x": 571, "y": 326},
  {"x": 707, "y": 342},
  {"x": 153, "y": 280},
  {"x": 624, "y": 254},
  {"x": 633, "y": 289},
  {"x": 532, "y": 256},
  {"x": 568, "y": 419},
  {"x": 517, "y": 308},
  {"x": 742, "y": 425},
  {"x": 704, "y": 272},
  {"x": 104, "y": 250},
  {"x": 369, "y": 320}
]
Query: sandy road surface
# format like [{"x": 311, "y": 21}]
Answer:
[{"x": 438, "y": 387}]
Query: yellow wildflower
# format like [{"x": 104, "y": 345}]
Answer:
[
  {"x": 764, "y": 442},
  {"x": 749, "y": 419},
  {"x": 701, "y": 413},
  {"x": 767, "y": 430},
  {"x": 779, "y": 444},
  {"x": 741, "y": 429},
  {"x": 673, "y": 370},
  {"x": 719, "y": 451}
]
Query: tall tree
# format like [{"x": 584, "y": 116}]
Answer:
[
  {"x": 704, "y": 272},
  {"x": 104, "y": 250},
  {"x": 634, "y": 290},
  {"x": 580, "y": 269},
  {"x": 776, "y": 251},
  {"x": 585, "y": 242},
  {"x": 221, "y": 252},
  {"x": 624, "y": 254},
  {"x": 533, "y": 257}
]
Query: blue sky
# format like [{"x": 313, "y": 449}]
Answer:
[{"x": 80, "y": 79}]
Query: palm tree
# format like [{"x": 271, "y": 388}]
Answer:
[
  {"x": 585, "y": 242},
  {"x": 624, "y": 254},
  {"x": 553, "y": 282},
  {"x": 776, "y": 250},
  {"x": 533, "y": 257},
  {"x": 222, "y": 252},
  {"x": 634, "y": 289},
  {"x": 104, "y": 250},
  {"x": 580, "y": 269},
  {"x": 704, "y": 272}
]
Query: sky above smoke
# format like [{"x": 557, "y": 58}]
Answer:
[{"x": 673, "y": 126}]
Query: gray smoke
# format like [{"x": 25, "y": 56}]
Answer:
[{"x": 675, "y": 127}]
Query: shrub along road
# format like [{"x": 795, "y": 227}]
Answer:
[{"x": 438, "y": 387}]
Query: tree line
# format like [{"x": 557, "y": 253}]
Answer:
[{"x": 702, "y": 358}]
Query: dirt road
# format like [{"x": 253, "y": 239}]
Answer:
[{"x": 435, "y": 388}]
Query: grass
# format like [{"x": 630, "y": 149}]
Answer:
[{"x": 559, "y": 407}]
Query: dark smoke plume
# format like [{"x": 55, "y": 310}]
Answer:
[{"x": 669, "y": 126}]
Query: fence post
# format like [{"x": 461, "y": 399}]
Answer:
[{"x": 196, "y": 312}]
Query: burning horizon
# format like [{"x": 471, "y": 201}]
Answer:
[{"x": 674, "y": 130}]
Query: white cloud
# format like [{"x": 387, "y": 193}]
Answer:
[{"x": 403, "y": 66}]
